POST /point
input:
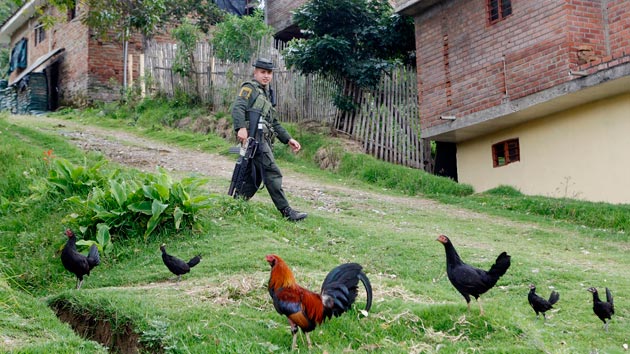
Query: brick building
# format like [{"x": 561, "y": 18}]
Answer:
[
  {"x": 532, "y": 94},
  {"x": 78, "y": 67}
]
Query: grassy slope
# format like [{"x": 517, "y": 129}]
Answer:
[{"x": 222, "y": 306}]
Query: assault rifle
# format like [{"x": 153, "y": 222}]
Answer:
[{"x": 247, "y": 152}]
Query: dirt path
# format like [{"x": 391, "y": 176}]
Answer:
[{"x": 144, "y": 154}]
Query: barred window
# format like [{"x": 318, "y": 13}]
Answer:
[
  {"x": 505, "y": 152},
  {"x": 498, "y": 10}
]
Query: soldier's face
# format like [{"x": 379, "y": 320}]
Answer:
[{"x": 263, "y": 76}]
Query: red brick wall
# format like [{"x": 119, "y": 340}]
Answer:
[
  {"x": 466, "y": 65},
  {"x": 106, "y": 69},
  {"x": 619, "y": 27},
  {"x": 73, "y": 71}
]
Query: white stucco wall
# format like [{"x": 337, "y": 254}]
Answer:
[{"x": 583, "y": 153}]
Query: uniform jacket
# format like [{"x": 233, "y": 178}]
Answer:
[{"x": 247, "y": 96}]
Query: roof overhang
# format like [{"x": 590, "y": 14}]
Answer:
[
  {"x": 414, "y": 7},
  {"x": 20, "y": 17},
  {"x": 589, "y": 88}
]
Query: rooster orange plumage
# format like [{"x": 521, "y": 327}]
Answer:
[{"x": 306, "y": 309}]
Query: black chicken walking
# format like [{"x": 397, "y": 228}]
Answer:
[
  {"x": 468, "y": 280},
  {"x": 539, "y": 304},
  {"x": 77, "y": 263},
  {"x": 176, "y": 265},
  {"x": 603, "y": 310}
]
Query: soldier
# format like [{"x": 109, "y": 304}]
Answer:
[{"x": 256, "y": 96}]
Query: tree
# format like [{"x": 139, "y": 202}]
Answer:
[
  {"x": 187, "y": 35},
  {"x": 237, "y": 38},
  {"x": 353, "y": 41}
]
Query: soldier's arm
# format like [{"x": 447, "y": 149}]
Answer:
[
  {"x": 241, "y": 104},
  {"x": 282, "y": 133}
]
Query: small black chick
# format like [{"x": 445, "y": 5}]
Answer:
[
  {"x": 603, "y": 310},
  {"x": 176, "y": 265},
  {"x": 539, "y": 304},
  {"x": 77, "y": 263}
]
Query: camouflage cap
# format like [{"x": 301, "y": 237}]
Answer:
[{"x": 264, "y": 63}]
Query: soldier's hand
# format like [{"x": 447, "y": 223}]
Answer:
[
  {"x": 295, "y": 146},
  {"x": 242, "y": 135}
]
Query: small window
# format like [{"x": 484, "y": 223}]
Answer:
[
  {"x": 498, "y": 10},
  {"x": 40, "y": 34},
  {"x": 505, "y": 152}
]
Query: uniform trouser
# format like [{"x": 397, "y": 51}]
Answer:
[{"x": 265, "y": 170}]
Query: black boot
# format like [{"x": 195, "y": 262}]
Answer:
[{"x": 293, "y": 215}]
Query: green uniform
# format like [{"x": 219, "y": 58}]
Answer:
[{"x": 253, "y": 95}]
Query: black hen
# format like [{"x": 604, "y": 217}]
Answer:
[
  {"x": 603, "y": 310},
  {"x": 306, "y": 309},
  {"x": 539, "y": 304},
  {"x": 77, "y": 263},
  {"x": 176, "y": 265},
  {"x": 468, "y": 280}
]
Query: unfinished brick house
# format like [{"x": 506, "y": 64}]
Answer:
[
  {"x": 527, "y": 93},
  {"x": 78, "y": 67}
]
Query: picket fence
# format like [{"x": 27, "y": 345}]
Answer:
[{"x": 386, "y": 123}]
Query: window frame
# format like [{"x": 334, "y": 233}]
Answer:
[
  {"x": 506, "y": 152},
  {"x": 40, "y": 34},
  {"x": 502, "y": 6}
]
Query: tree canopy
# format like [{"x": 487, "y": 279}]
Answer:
[
  {"x": 353, "y": 40},
  {"x": 118, "y": 19}
]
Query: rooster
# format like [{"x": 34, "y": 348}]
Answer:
[
  {"x": 539, "y": 304},
  {"x": 176, "y": 265},
  {"x": 77, "y": 263},
  {"x": 306, "y": 309},
  {"x": 468, "y": 280},
  {"x": 603, "y": 310}
]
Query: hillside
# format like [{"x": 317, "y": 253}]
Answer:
[{"x": 223, "y": 305}]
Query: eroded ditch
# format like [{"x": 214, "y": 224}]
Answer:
[{"x": 117, "y": 335}]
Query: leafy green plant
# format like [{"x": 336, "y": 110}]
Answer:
[
  {"x": 155, "y": 338},
  {"x": 139, "y": 204},
  {"x": 103, "y": 239},
  {"x": 236, "y": 38}
]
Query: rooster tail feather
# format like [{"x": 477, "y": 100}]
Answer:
[
  {"x": 368, "y": 289},
  {"x": 554, "y": 297},
  {"x": 93, "y": 257},
  {"x": 340, "y": 290},
  {"x": 500, "y": 266},
  {"x": 194, "y": 261}
]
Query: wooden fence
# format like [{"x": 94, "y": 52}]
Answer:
[{"x": 386, "y": 122}]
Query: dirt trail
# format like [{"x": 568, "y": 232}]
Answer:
[{"x": 144, "y": 154}]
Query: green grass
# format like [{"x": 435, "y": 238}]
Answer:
[{"x": 222, "y": 306}]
